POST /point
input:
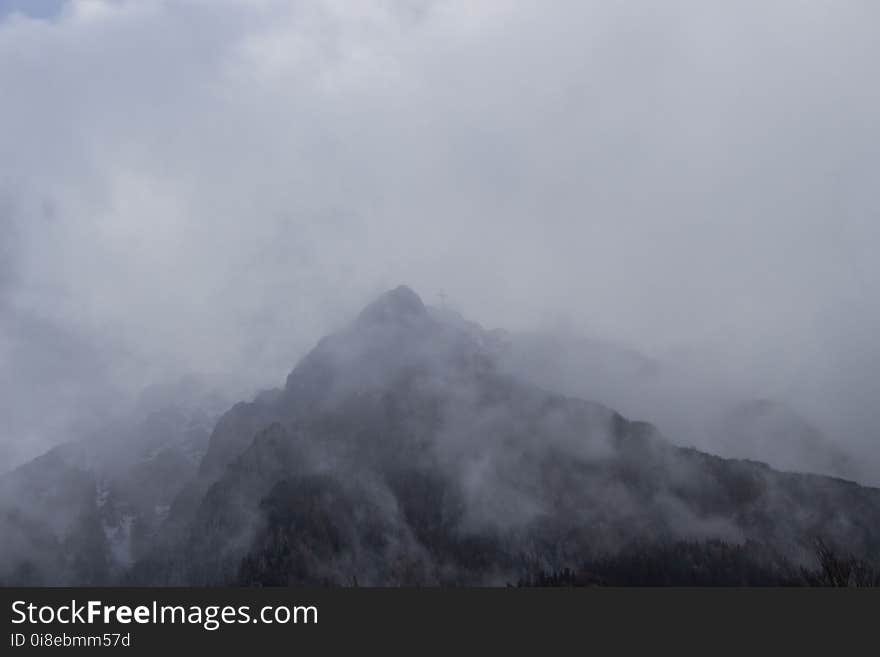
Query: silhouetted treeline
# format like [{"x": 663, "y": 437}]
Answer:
[
  {"x": 840, "y": 570},
  {"x": 709, "y": 563}
]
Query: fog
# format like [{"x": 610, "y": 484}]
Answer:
[{"x": 209, "y": 187}]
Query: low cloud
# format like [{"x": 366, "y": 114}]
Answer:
[{"x": 211, "y": 186}]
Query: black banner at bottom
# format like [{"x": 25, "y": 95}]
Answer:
[{"x": 147, "y": 620}]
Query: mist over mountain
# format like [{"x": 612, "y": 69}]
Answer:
[
  {"x": 691, "y": 182},
  {"x": 772, "y": 432},
  {"x": 401, "y": 451},
  {"x": 663, "y": 214},
  {"x": 686, "y": 403},
  {"x": 82, "y": 512}
]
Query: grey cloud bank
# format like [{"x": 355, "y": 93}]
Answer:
[{"x": 212, "y": 186}]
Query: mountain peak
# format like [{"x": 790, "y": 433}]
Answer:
[{"x": 398, "y": 304}]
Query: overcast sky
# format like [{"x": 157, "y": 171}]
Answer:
[{"x": 209, "y": 186}]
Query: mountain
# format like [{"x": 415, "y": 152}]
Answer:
[
  {"x": 774, "y": 433},
  {"x": 401, "y": 451},
  {"x": 690, "y": 405}
]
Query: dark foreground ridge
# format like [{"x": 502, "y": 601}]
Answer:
[{"x": 398, "y": 452}]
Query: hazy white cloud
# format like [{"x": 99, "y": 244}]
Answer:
[{"x": 210, "y": 186}]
